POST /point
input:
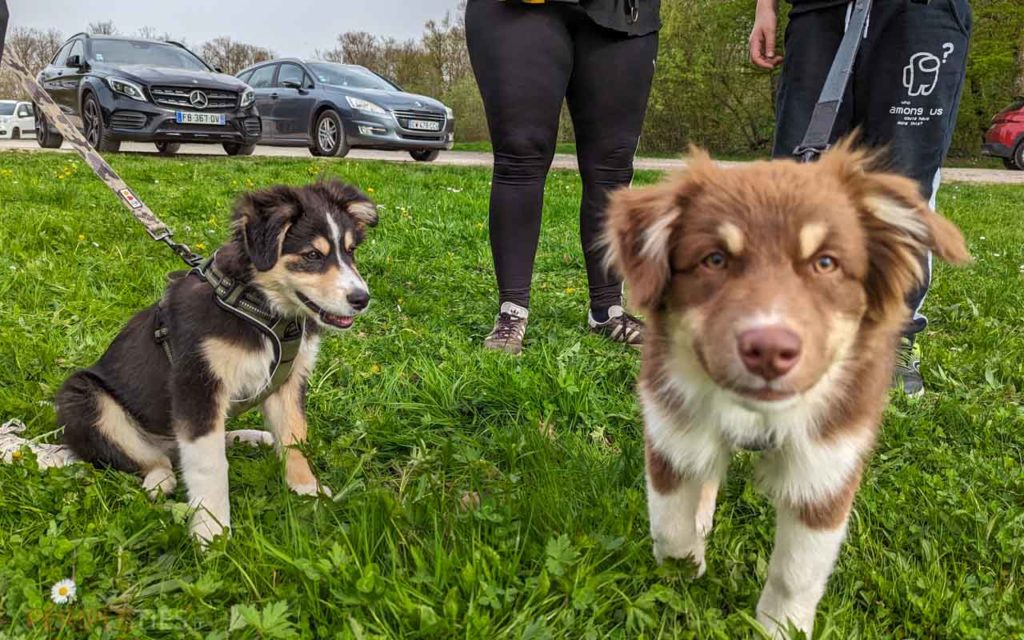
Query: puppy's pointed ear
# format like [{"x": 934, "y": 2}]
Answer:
[
  {"x": 351, "y": 200},
  {"x": 900, "y": 226},
  {"x": 261, "y": 219},
  {"x": 639, "y": 229}
]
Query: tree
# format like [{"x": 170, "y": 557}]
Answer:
[
  {"x": 224, "y": 53},
  {"x": 151, "y": 33},
  {"x": 105, "y": 28},
  {"x": 35, "y": 48}
]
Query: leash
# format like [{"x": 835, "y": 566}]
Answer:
[
  {"x": 156, "y": 229},
  {"x": 823, "y": 120}
]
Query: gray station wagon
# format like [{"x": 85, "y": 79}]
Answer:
[{"x": 331, "y": 108}]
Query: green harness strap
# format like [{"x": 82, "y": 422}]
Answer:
[{"x": 247, "y": 303}]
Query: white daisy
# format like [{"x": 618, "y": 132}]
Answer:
[{"x": 63, "y": 592}]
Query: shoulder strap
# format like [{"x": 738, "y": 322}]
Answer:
[{"x": 823, "y": 120}]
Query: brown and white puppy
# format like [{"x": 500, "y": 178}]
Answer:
[
  {"x": 774, "y": 295},
  {"x": 136, "y": 410}
]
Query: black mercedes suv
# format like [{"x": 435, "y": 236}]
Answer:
[{"x": 118, "y": 89}]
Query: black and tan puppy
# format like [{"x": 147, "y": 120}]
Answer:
[{"x": 140, "y": 407}]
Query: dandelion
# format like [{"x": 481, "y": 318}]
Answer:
[
  {"x": 375, "y": 369},
  {"x": 200, "y": 246},
  {"x": 81, "y": 237},
  {"x": 369, "y": 190},
  {"x": 63, "y": 592}
]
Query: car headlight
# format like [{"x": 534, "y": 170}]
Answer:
[
  {"x": 248, "y": 97},
  {"x": 365, "y": 105},
  {"x": 127, "y": 89},
  {"x": 448, "y": 112}
]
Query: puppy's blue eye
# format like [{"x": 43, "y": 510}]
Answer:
[
  {"x": 313, "y": 256},
  {"x": 715, "y": 260}
]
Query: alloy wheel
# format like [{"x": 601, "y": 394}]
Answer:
[
  {"x": 327, "y": 134},
  {"x": 93, "y": 123}
]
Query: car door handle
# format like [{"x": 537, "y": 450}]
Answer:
[{"x": 275, "y": 96}]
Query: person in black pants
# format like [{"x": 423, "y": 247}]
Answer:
[
  {"x": 528, "y": 57},
  {"x": 904, "y": 96}
]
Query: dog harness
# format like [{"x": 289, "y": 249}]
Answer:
[{"x": 247, "y": 303}]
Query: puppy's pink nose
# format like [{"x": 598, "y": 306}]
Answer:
[{"x": 770, "y": 352}]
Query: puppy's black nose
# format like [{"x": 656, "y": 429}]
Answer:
[{"x": 359, "y": 299}]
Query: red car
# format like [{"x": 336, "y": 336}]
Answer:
[{"x": 1005, "y": 138}]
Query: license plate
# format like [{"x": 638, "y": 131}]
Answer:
[
  {"x": 188, "y": 117},
  {"x": 424, "y": 125}
]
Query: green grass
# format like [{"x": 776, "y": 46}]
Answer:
[
  {"x": 411, "y": 421},
  {"x": 972, "y": 162}
]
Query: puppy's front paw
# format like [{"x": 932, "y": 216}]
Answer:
[
  {"x": 159, "y": 482},
  {"x": 205, "y": 527},
  {"x": 777, "y": 614},
  {"x": 311, "y": 489},
  {"x": 689, "y": 552},
  {"x": 251, "y": 437}
]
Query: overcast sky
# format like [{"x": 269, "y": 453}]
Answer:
[{"x": 289, "y": 27}]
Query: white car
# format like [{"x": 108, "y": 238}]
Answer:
[{"x": 17, "y": 120}]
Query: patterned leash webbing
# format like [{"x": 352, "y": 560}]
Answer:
[{"x": 52, "y": 113}]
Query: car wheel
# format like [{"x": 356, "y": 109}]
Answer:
[
  {"x": 239, "y": 149},
  {"x": 425, "y": 155},
  {"x": 46, "y": 138},
  {"x": 95, "y": 131},
  {"x": 1017, "y": 162},
  {"x": 329, "y": 136},
  {"x": 16, "y": 134},
  {"x": 168, "y": 148}
]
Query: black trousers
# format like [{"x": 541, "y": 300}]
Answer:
[
  {"x": 527, "y": 60},
  {"x": 904, "y": 94}
]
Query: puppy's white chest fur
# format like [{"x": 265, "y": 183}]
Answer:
[{"x": 244, "y": 373}]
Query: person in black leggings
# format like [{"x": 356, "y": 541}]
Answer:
[{"x": 528, "y": 57}]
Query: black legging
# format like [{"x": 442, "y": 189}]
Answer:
[{"x": 527, "y": 59}]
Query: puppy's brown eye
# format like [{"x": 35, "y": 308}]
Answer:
[
  {"x": 715, "y": 260},
  {"x": 313, "y": 256},
  {"x": 826, "y": 264}
]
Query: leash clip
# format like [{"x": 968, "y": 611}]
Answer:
[
  {"x": 190, "y": 258},
  {"x": 809, "y": 153}
]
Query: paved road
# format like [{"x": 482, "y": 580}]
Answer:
[{"x": 472, "y": 159}]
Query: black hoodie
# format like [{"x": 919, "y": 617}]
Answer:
[{"x": 632, "y": 17}]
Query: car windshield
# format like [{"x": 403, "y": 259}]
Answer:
[
  {"x": 153, "y": 54},
  {"x": 353, "y": 77},
  {"x": 6, "y": 108}
]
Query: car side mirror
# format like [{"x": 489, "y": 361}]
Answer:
[
  {"x": 75, "y": 62},
  {"x": 218, "y": 69}
]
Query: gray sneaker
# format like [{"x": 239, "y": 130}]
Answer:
[
  {"x": 907, "y": 375},
  {"x": 509, "y": 329},
  {"x": 620, "y": 327}
]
